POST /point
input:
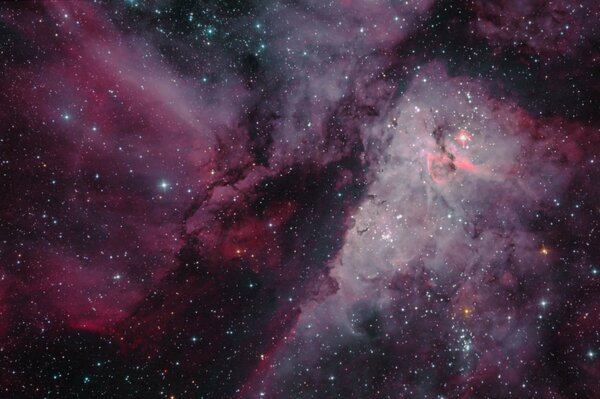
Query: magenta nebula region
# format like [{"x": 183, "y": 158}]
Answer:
[{"x": 300, "y": 199}]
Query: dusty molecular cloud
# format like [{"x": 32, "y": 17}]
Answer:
[{"x": 300, "y": 199}]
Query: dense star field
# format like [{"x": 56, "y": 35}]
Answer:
[{"x": 300, "y": 199}]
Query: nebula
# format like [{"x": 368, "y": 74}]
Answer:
[{"x": 300, "y": 199}]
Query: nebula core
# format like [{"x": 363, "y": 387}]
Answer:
[{"x": 300, "y": 199}]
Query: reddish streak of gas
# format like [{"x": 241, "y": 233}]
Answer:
[
  {"x": 464, "y": 164},
  {"x": 441, "y": 166}
]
